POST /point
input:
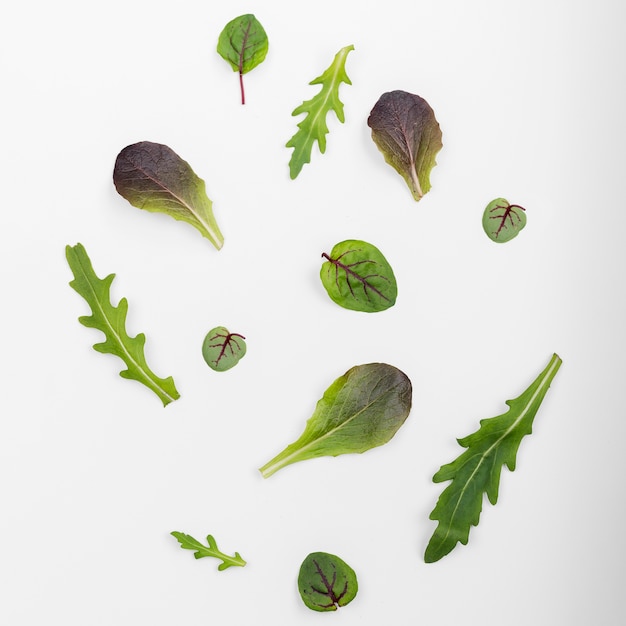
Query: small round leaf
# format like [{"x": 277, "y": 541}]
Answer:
[
  {"x": 503, "y": 221},
  {"x": 222, "y": 349},
  {"x": 326, "y": 582}
]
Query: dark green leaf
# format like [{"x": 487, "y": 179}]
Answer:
[
  {"x": 326, "y": 582},
  {"x": 357, "y": 276},
  {"x": 405, "y": 130},
  {"x": 477, "y": 470},
  {"x": 362, "y": 409}
]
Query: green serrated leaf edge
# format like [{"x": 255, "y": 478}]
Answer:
[
  {"x": 187, "y": 542},
  {"x": 488, "y": 449},
  {"x": 313, "y": 127},
  {"x": 111, "y": 320}
]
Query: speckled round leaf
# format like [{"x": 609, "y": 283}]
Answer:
[
  {"x": 503, "y": 221},
  {"x": 357, "y": 276},
  {"x": 326, "y": 582},
  {"x": 222, "y": 349}
]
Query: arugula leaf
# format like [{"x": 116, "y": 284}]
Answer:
[
  {"x": 187, "y": 542},
  {"x": 405, "y": 130},
  {"x": 357, "y": 276},
  {"x": 503, "y": 221},
  {"x": 111, "y": 320},
  {"x": 222, "y": 349},
  {"x": 244, "y": 44},
  {"x": 477, "y": 470},
  {"x": 313, "y": 127},
  {"x": 362, "y": 409},
  {"x": 326, "y": 582},
  {"x": 153, "y": 177}
]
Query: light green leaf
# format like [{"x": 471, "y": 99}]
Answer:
[
  {"x": 362, "y": 409},
  {"x": 111, "y": 320},
  {"x": 222, "y": 349},
  {"x": 187, "y": 542},
  {"x": 357, "y": 276},
  {"x": 477, "y": 470},
  {"x": 244, "y": 44},
  {"x": 503, "y": 221},
  {"x": 313, "y": 127}
]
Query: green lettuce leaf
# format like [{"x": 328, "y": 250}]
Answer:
[
  {"x": 111, "y": 320},
  {"x": 313, "y": 127},
  {"x": 151, "y": 176},
  {"x": 477, "y": 470},
  {"x": 362, "y": 409},
  {"x": 405, "y": 130}
]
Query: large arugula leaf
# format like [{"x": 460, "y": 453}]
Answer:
[
  {"x": 405, "y": 130},
  {"x": 362, "y": 409},
  {"x": 187, "y": 542},
  {"x": 244, "y": 44},
  {"x": 151, "y": 176},
  {"x": 111, "y": 320},
  {"x": 313, "y": 127},
  {"x": 477, "y": 470}
]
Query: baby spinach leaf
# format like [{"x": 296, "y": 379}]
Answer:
[
  {"x": 111, "y": 320},
  {"x": 357, "y": 276},
  {"x": 244, "y": 44},
  {"x": 222, "y": 349},
  {"x": 153, "y": 177},
  {"x": 362, "y": 409},
  {"x": 477, "y": 470},
  {"x": 326, "y": 582},
  {"x": 187, "y": 542},
  {"x": 503, "y": 221},
  {"x": 405, "y": 130},
  {"x": 313, "y": 127}
]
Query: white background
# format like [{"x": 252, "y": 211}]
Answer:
[{"x": 95, "y": 473}]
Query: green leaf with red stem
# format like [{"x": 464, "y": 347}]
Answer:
[
  {"x": 222, "y": 349},
  {"x": 326, "y": 582},
  {"x": 357, "y": 276},
  {"x": 503, "y": 221}
]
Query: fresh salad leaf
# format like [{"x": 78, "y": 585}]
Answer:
[
  {"x": 313, "y": 127},
  {"x": 189, "y": 543},
  {"x": 405, "y": 130},
  {"x": 477, "y": 470},
  {"x": 357, "y": 276},
  {"x": 362, "y": 409},
  {"x": 244, "y": 44},
  {"x": 326, "y": 582},
  {"x": 153, "y": 177},
  {"x": 222, "y": 349},
  {"x": 503, "y": 221},
  {"x": 111, "y": 320}
]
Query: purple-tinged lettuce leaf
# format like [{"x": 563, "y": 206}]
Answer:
[
  {"x": 503, "y": 221},
  {"x": 405, "y": 130},
  {"x": 151, "y": 176}
]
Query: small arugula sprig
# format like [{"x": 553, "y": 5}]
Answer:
[
  {"x": 189, "y": 543},
  {"x": 313, "y": 127}
]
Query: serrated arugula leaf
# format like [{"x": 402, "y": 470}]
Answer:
[
  {"x": 477, "y": 470},
  {"x": 313, "y": 127},
  {"x": 244, "y": 44},
  {"x": 200, "y": 551},
  {"x": 111, "y": 320}
]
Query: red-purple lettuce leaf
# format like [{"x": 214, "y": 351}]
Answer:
[{"x": 405, "y": 130}]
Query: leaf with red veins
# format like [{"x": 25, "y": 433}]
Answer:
[
  {"x": 503, "y": 221},
  {"x": 326, "y": 582},
  {"x": 222, "y": 349},
  {"x": 357, "y": 276}
]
